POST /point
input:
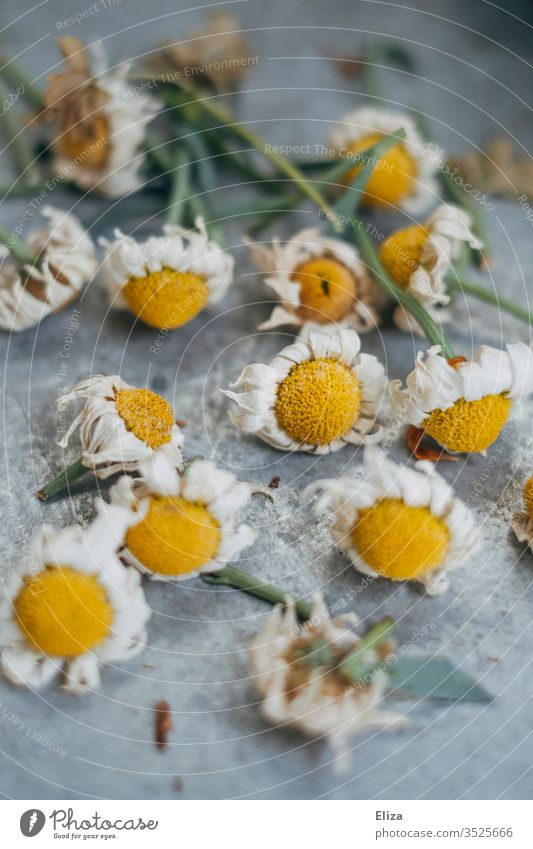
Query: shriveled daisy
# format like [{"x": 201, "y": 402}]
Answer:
[
  {"x": 65, "y": 263},
  {"x": 72, "y": 607},
  {"x": 405, "y": 176},
  {"x": 398, "y": 523},
  {"x": 418, "y": 257},
  {"x": 319, "y": 281},
  {"x": 463, "y": 404},
  {"x": 316, "y": 395},
  {"x": 182, "y": 525},
  {"x": 166, "y": 280},
  {"x": 522, "y": 522},
  {"x": 300, "y": 676},
  {"x": 217, "y": 54},
  {"x": 121, "y": 425},
  {"x": 100, "y": 122}
]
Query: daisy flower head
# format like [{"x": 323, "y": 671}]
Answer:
[
  {"x": 121, "y": 425},
  {"x": 181, "y": 525},
  {"x": 166, "y": 280},
  {"x": 405, "y": 176},
  {"x": 100, "y": 122},
  {"x": 300, "y": 676},
  {"x": 398, "y": 523},
  {"x": 72, "y": 607},
  {"x": 316, "y": 395},
  {"x": 319, "y": 281},
  {"x": 418, "y": 257},
  {"x": 65, "y": 263},
  {"x": 464, "y": 404},
  {"x": 522, "y": 522}
]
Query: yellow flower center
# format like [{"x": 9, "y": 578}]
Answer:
[
  {"x": 398, "y": 541},
  {"x": 469, "y": 426},
  {"x": 318, "y": 401},
  {"x": 166, "y": 298},
  {"x": 528, "y": 498},
  {"x": 327, "y": 290},
  {"x": 88, "y": 146},
  {"x": 176, "y": 536},
  {"x": 63, "y": 612},
  {"x": 400, "y": 253},
  {"x": 392, "y": 178},
  {"x": 148, "y": 416}
]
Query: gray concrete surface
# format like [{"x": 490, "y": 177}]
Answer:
[{"x": 473, "y": 83}]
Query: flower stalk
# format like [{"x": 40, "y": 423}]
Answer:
[
  {"x": 200, "y": 105},
  {"x": 232, "y": 577},
  {"x": 466, "y": 287},
  {"x": 63, "y": 480}
]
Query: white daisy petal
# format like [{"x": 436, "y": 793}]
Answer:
[
  {"x": 395, "y": 549},
  {"x": 256, "y": 407},
  {"x": 493, "y": 378},
  {"x": 281, "y": 262},
  {"x": 318, "y": 703},
  {"x": 31, "y": 655},
  {"x": 108, "y": 445},
  {"x": 169, "y": 554},
  {"x": 67, "y": 262}
]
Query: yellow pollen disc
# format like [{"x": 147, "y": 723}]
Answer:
[
  {"x": 392, "y": 178},
  {"x": 63, "y": 612},
  {"x": 88, "y": 147},
  {"x": 148, "y": 416},
  {"x": 400, "y": 253},
  {"x": 318, "y": 401},
  {"x": 175, "y": 538},
  {"x": 469, "y": 426},
  {"x": 398, "y": 541},
  {"x": 327, "y": 290},
  {"x": 528, "y": 498},
  {"x": 166, "y": 298}
]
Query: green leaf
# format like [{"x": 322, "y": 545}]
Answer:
[
  {"x": 435, "y": 677},
  {"x": 350, "y": 198}
]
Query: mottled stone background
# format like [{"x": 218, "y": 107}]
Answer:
[{"x": 473, "y": 82}]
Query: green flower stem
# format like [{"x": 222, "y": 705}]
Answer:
[
  {"x": 232, "y": 577},
  {"x": 431, "y": 329},
  {"x": 14, "y": 76},
  {"x": 201, "y": 104},
  {"x": 352, "y": 667},
  {"x": 180, "y": 188},
  {"x": 17, "y": 247},
  {"x": 466, "y": 287},
  {"x": 22, "y": 154},
  {"x": 62, "y": 481}
]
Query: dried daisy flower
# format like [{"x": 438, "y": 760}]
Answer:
[
  {"x": 60, "y": 261},
  {"x": 398, "y": 523},
  {"x": 403, "y": 177},
  {"x": 218, "y": 54},
  {"x": 120, "y": 426},
  {"x": 319, "y": 281},
  {"x": 418, "y": 257},
  {"x": 522, "y": 523},
  {"x": 100, "y": 123},
  {"x": 462, "y": 404},
  {"x": 310, "y": 678},
  {"x": 167, "y": 280},
  {"x": 182, "y": 525},
  {"x": 316, "y": 395},
  {"x": 73, "y": 607}
]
